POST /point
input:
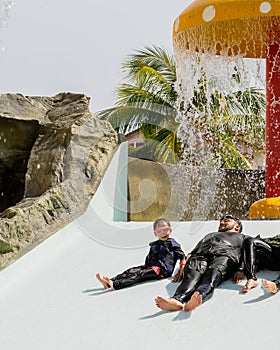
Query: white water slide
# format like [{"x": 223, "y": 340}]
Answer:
[{"x": 50, "y": 298}]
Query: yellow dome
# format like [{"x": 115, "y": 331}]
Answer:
[
  {"x": 229, "y": 26},
  {"x": 267, "y": 208}
]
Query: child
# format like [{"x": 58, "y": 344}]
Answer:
[{"x": 159, "y": 263}]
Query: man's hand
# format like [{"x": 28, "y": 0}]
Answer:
[
  {"x": 238, "y": 277},
  {"x": 179, "y": 275}
]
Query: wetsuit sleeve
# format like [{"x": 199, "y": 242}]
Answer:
[
  {"x": 176, "y": 248},
  {"x": 240, "y": 265},
  {"x": 147, "y": 259},
  {"x": 179, "y": 254}
]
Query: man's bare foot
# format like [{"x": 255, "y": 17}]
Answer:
[
  {"x": 194, "y": 302},
  {"x": 250, "y": 284},
  {"x": 270, "y": 286},
  {"x": 168, "y": 304}
]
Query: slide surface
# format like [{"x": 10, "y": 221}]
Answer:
[{"x": 50, "y": 298}]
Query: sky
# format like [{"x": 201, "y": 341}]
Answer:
[{"x": 53, "y": 46}]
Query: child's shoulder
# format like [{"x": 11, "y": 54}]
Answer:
[
  {"x": 174, "y": 242},
  {"x": 170, "y": 241},
  {"x": 157, "y": 242}
]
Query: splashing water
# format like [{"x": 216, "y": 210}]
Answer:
[
  {"x": 5, "y": 7},
  {"x": 210, "y": 87}
]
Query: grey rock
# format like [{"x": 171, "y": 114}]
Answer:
[{"x": 53, "y": 155}]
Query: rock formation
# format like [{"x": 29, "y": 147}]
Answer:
[{"x": 53, "y": 154}]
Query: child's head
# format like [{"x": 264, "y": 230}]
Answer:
[{"x": 162, "y": 229}]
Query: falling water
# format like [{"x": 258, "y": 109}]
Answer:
[
  {"x": 5, "y": 7},
  {"x": 204, "y": 83}
]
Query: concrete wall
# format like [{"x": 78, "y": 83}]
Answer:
[{"x": 156, "y": 190}]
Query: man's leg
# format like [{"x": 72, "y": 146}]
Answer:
[
  {"x": 219, "y": 269},
  {"x": 204, "y": 291},
  {"x": 256, "y": 254},
  {"x": 192, "y": 274}
]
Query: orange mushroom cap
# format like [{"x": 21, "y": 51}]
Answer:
[{"x": 229, "y": 27}]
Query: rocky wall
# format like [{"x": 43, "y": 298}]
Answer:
[{"x": 58, "y": 151}]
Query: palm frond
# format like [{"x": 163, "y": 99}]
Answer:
[
  {"x": 154, "y": 57},
  {"x": 130, "y": 117},
  {"x": 128, "y": 94},
  {"x": 228, "y": 156}
]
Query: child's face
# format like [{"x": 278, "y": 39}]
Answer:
[{"x": 163, "y": 231}]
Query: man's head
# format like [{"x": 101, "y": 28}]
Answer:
[
  {"x": 162, "y": 229},
  {"x": 230, "y": 223}
]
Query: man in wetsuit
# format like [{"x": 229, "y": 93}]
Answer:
[
  {"x": 215, "y": 258},
  {"x": 261, "y": 253}
]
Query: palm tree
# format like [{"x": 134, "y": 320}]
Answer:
[
  {"x": 148, "y": 101},
  {"x": 227, "y": 123}
]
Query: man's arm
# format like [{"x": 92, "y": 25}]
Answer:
[
  {"x": 238, "y": 276},
  {"x": 180, "y": 274}
]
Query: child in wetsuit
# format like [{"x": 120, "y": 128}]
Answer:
[{"x": 159, "y": 263}]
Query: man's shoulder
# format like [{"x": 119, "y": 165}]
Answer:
[
  {"x": 211, "y": 234},
  {"x": 237, "y": 235}
]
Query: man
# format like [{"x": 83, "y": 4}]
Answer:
[
  {"x": 261, "y": 253},
  {"x": 215, "y": 258}
]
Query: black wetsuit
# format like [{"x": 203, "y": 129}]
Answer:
[
  {"x": 261, "y": 253},
  {"x": 159, "y": 263},
  {"x": 215, "y": 258}
]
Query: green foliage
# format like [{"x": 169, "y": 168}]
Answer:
[{"x": 148, "y": 100}]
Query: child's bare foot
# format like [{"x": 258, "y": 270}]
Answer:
[
  {"x": 102, "y": 281},
  {"x": 250, "y": 284},
  {"x": 270, "y": 286},
  {"x": 194, "y": 302},
  {"x": 109, "y": 282},
  {"x": 168, "y": 304}
]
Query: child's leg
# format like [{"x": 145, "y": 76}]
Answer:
[
  {"x": 133, "y": 276},
  {"x": 103, "y": 281}
]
